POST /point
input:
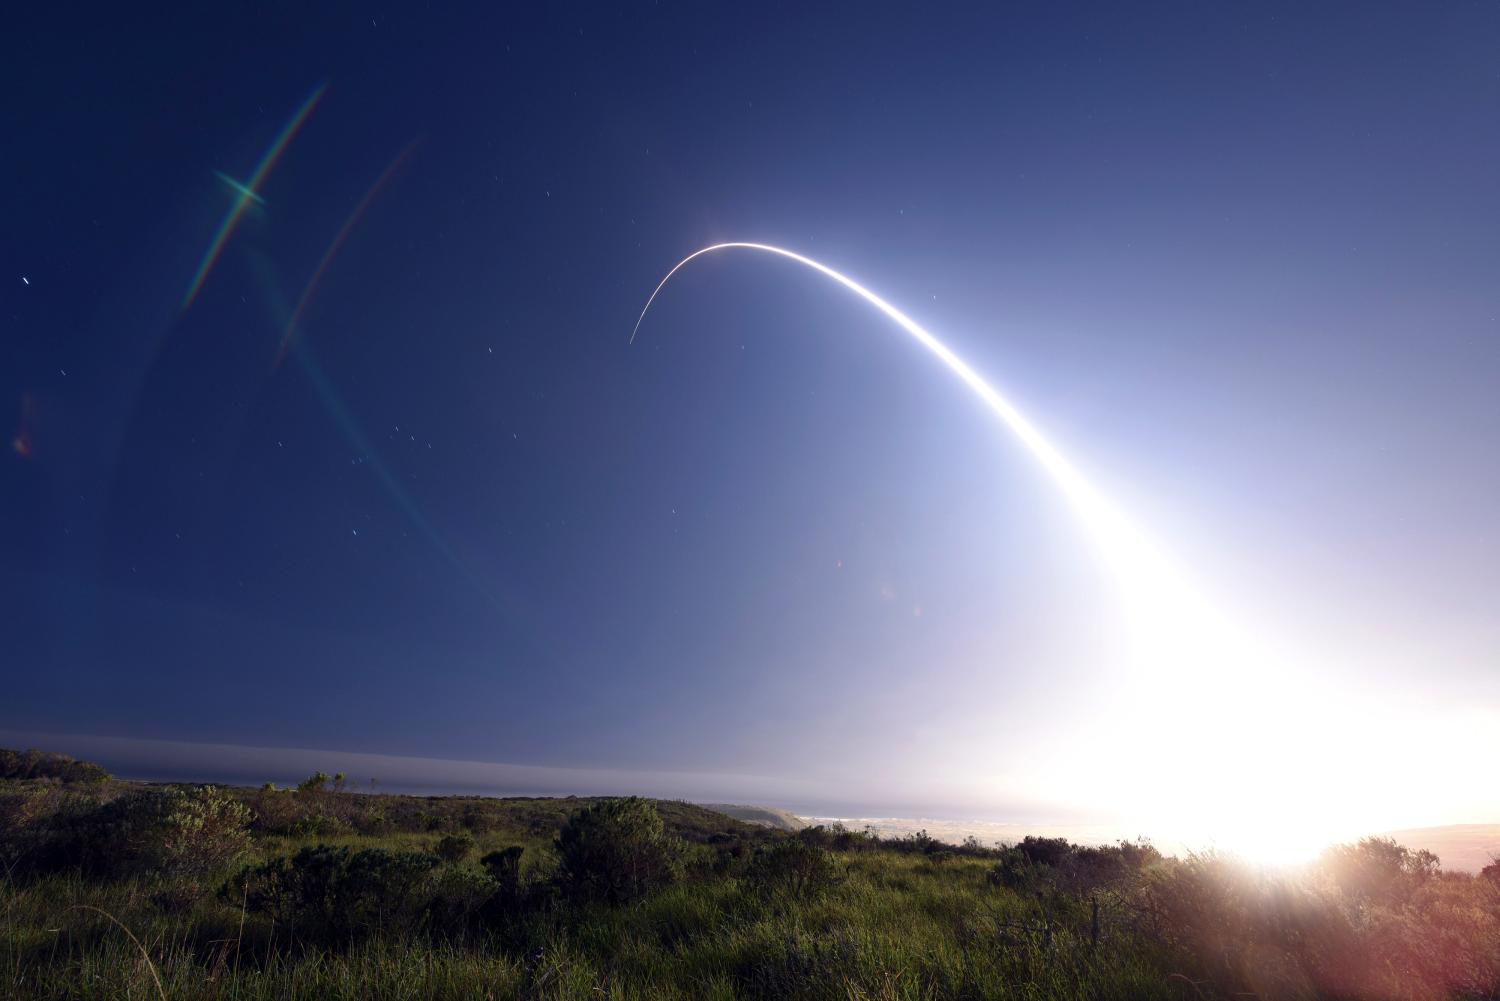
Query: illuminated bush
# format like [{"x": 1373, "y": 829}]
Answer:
[
  {"x": 1378, "y": 870},
  {"x": 48, "y": 765},
  {"x": 616, "y": 851},
  {"x": 174, "y": 832}
]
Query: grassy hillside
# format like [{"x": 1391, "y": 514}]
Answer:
[
  {"x": 118, "y": 890},
  {"x": 765, "y": 816}
]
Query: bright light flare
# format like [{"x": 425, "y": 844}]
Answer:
[
  {"x": 1212, "y": 735},
  {"x": 240, "y": 188},
  {"x": 248, "y": 193}
]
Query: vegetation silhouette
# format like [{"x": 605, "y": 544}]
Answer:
[{"x": 320, "y": 892}]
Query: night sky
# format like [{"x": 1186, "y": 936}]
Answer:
[{"x": 1242, "y": 263}]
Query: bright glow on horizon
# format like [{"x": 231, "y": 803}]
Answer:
[{"x": 1213, "y": 737}]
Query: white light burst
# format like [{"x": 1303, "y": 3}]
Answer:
[{"x": 1214, "y": 740}]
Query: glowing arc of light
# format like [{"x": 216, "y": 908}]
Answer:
[
  {"x": 1239, "y": 721},
  {"x": 249, "y": 193},
  {"x": 1186, "y": 654},
  {"x": 1127, "y": 549},
  {"x": 374, "y": 189}
]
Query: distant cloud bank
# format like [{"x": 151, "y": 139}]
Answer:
[{"x": 238, "y": 764}]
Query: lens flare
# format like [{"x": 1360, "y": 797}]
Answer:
[
  {"x": 334, "y": 247},
  {"x": 502, "y": 594},
  {"x": 23, "y": 443},
  {"x": 248, "y": 193},
  {"x": 236, "y": 186}
]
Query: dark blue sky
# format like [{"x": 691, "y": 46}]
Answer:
[{"x": 1242, "y": 262}]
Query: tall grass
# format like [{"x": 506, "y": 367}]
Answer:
[
  {"x": 895, "y": 928},
  {"x": 832, "y": 917}
]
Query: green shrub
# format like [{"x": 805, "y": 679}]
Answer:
[
  {"x": 1378, "y": 870},
  {"x": 504, "y": 867},
  {"x": 1015, "y": 871},
  {"x": 730, "y": 855},
  {"x": 374, "y": 818},
  {"x": 920, "y": 843},
  {"x": 459, "y": 894},
  {"x": 793, "y": 866},
  {"x": 177, "y": 897},
  {"x": 616, "y": 850},
  {"x": 475, "y": 819},
  {"x": 972, "y": 847},
  {"x": 177, "y": 833},
  {"x": 338, "y": 893},
  {"x": 35, "y": 764},
  {"x": 454, "y": 847},
  {"x": 1045, "y": 851},
  {"x": 316, "y": 825},
  {"x": 436, "y": 823},
  {"x": 845, "y": 840},
  {"x": 49, "y": 828},
  {"x": 817, "y": 834},
  {"x": 290, "y": 891}
]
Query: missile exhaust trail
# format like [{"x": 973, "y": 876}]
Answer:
[
  {"x": 1182, "y": 655},
  {"x": 1126, "y": 548},
  {"x": 1254, "y": 712}
]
